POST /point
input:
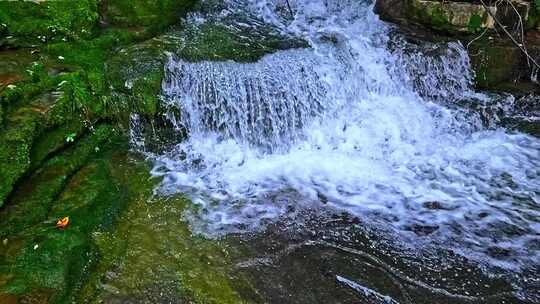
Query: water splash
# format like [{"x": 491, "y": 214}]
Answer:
[{"x": 362, "y": 122}]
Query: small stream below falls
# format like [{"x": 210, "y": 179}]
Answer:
[{"x": 362, "y": 169}]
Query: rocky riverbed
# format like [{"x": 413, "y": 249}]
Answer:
[{"x": 202, "y": 152}]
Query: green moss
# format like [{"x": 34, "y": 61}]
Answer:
[
  {"x": 54, "y": 140},
  {"x": 69, "y": 84},
  {"x": 16, "y": 141},
  {"x": 92, "y": 201},
  {"x": 92, "y": 198},
  {"x": 216, "y": 42},
  {"x": 438, "y": 17},
  {"x": 135, "y": 74},
  {"x": 155, "y": 14},
  {"x": 432, "y": 16},
  {"x": 533, "y": 20},
  {"x": 494, "y": 64},
  {"x": 28, "y": 23},
  {"x": 36, "y": 82},
  {"x": 475, "y": 23},
  {"x": 115, "y": 228},
  {"x": 32, "y": 201},
  {"x": 152, "y": 247},
  {"x": 444, "y": 18}
]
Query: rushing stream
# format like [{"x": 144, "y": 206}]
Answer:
[{"x": 361, "y": 122}]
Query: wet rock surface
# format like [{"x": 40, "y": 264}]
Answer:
[
  {"x": 499, "y": 63},
  {"x": 339, "y": 260}
]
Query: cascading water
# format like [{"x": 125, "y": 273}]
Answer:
[{"x": 361, "y": 122}]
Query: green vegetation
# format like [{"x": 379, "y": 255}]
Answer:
[
  {"x": 27, "y": 23},
  {"x": 216, "y": 42},
  {"x": 42, "y": 257},
  {"x": 115, "y": 228},
  {"x": 149, "y": 13},
  {"x": 77, "y": 72},
  {"x": 152, "y": 247},
  {"x": 475, "y": 23},
  {"x": 494, "y": 64}
]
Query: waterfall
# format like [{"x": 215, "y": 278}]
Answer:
[
  {"x": 363, "y": 122},
  {"x": 265, "y": 104}
]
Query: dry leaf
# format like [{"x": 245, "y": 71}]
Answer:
[{"x": 62, "y": 223}]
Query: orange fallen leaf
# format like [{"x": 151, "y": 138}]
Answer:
[{"x": 62, "y": 223}]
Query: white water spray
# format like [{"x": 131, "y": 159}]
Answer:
[{"x": 350, "y": 124}]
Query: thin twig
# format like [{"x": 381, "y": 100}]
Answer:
[
  {"x": 290, "y": 9},
  {"x": 520, "y": 46},
  {"x": 480, "y": 36}
]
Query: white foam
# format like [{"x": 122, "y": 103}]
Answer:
[{"x": 377, "y": 132}]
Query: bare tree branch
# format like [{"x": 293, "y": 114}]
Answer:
[
  {"x": 290, "y": 9},
  {"x": 520, "y": 46}
]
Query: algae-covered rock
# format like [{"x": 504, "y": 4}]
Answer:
[
  {"x": 495, "y": 64},
  {"x": 35, "y": 256},
  {"x": 502, "y": 66},
  {"x": 120, "y": 245},
  {"x": 26, "y": 23},
  {"x": 32, "y": 200},
  {"x": 144, "y": 13},
  {"x": 64, "y": 82},
  {"x": 152, "y": 257},
  {"x": 16, "y": 141},
  {"x": 211, "y": 41},
  {"x": 136, "y": 71}
]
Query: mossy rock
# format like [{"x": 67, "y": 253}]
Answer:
[
  {"x": 120, "y": 244},
  {"x": 37, "y": 257},
  {"x": 144, "y": 13},
  {"x": 218, "y": 43},
  {"x": 455, "y": 18},
  {"x": 501, "y": 66},
  {"x": 31, "y": 201},
  {"x": 27, "y": 23},
  {"x": 15, "y": 144},
  {"x": 65, "y": 90},
  {"x": 153, "y": 257},
  {"x": 135, "y": 74}
]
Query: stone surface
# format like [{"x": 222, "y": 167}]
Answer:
[
  {"x": 455, "y": 17},
  {"x": 499, "y": 64}
]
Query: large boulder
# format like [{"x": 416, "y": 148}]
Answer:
[
  {"x": 499, "y": 63},
  {"x": 457, "y": 18}
]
